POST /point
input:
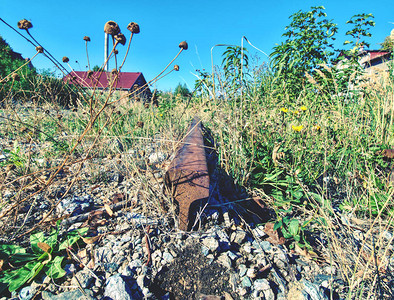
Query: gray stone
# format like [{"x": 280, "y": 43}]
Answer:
[
  {"x": 141, "y": 281},
  {"x": 224, "y": 260},
  {"x": 103, "y": 255},
  {"x": 269, "y": 294},
  {"x": 83, "y": 279},
  {"x": 238, "y": 236},
  {"x": 247, "y": 247},
  {"x": 258, "y": 232},
  {"x": 312, "y": 291},
  {"x": 75, "y": 295},
  {"x": 204, "y": 250},
  {"x": 167, "y": 257},
  {"x": 246, "y": 282},
  {"x": 70, "y": 269},
  {"x": 27, "y": 293},
  {"x": 232, "y": 255},
  {"x": 211, "y": 243},
  {"x": 156, "y": 157},
  {"x": 117, "y": 288},
  {"x": 242, "y": 270},
  {"x": 251, "y": 272},
  {"x": 266, "y": 246},
  {"x": 261, "y": 284}
]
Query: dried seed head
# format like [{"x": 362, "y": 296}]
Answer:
[
  {"x": 183, "y": 45},
  {"x": 90, "y": 73},
  {"x": 140, "y": 124},
  {"x": 86, "y": 39},
  {"x": 116, "y": 51},
  {"x": 120, "y": 38},
  {"x": 111, "y": 28},
  {"x": 39, "y": 49},
  {"x": 176, "y": 68},
  {"x": 146, "y": 105},
  {"x": 15, "y": 77},
  {"x": 65, "y": 59},
  {"x": 133, "y": 27},
  {"x": 24, "y": 24},
  {"x": 114, "y": 71}
]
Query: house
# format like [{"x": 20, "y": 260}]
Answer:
[
  {"x": 371, "y": 60},
  {"x": 132, "y": 84}
]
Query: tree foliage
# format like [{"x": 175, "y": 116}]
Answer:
[
  {"x": 309, "y": 42},
  {"x": 18, "y": 86},
  {"x": 182, "y": 90}
]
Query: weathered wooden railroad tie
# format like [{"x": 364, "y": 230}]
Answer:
[{"x": 187, "y": 176}]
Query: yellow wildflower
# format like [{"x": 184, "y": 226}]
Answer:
[
  {"x": 303, "y": 108},
  {"x": 296, "y": 112},
  {"x": 317, "y": 127},
  {"x": 297, "y": 128},
  {"x": 284, "y": 109}
]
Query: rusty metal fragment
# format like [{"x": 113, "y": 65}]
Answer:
[{"x": 187, "y": 176}]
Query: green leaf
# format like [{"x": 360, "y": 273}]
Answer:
[
  {"x": 72, "y": 237},
  {"x": 19, "y": 277},
  {"x": 35, "y": 239},
  {"x": 294, "y": 227},
  {"x": 8, "y": 250},
  {"x": 54, "y": 268},
  {"x": 277, "y": 225},
  {"x": 51, "y": 240}
]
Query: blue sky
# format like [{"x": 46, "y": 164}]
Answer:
[{"x": 61, "y": 25}]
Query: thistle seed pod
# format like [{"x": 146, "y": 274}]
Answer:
[
  {"x": 116, "y": 51},
  {"x": 25, "y": 24},
  {"x": 120, "y": 38},
  {"x": 183, "y": 45},
  {"x": 15, "y": 77},
  {"x": 140, "y": 124},
  {"x": 65, "y": 59},
  {"x": 133, "y": 27},
  {"x": 111, "y": 28},
  {"x": 90, "y": 73},
  {"x": 86, "y": 39},
  {"x": 114, "y": 71},
  {"x": 39, "y": 49},
  {"x": 176, "y": 68}
]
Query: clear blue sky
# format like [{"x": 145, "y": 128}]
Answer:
[{"x": 61, "y": 25}]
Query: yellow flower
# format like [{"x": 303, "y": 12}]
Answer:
[
  {"x": 296, "y": 112},
  {"x": 317, "y": 127},
  {"x": 297, "y": 128},
  {"x": 284, "y": 109},
  {"x": 303, "y": 108}
]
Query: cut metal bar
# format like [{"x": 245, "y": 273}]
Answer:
[{"x": 187, "y": 176}]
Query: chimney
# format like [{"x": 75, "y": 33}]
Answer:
[{"x": 106, "y": 39}]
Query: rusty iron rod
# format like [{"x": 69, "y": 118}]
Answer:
[{"x": 187, "y": 176}]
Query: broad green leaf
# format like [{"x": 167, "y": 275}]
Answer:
[
  {"x": 72, "y": 237},
  {"x": 54, "y": 268},
  {"x": 20, "y": 276},
  {"x": 294, "y": 227},
  {"x": 51, "y": 240},
  {"x": 10, "y": 249},
  {"x": 277, "y": 225},
  {"x": 19, "y": 258},
  {"x": 37, "y": 238}
]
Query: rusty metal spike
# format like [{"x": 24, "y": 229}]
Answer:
[{"x": 187, "y": 176}]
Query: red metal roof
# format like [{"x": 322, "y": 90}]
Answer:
[
  {"x": 377, "y": 53},
  {"x": 124, "y": 80}
]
